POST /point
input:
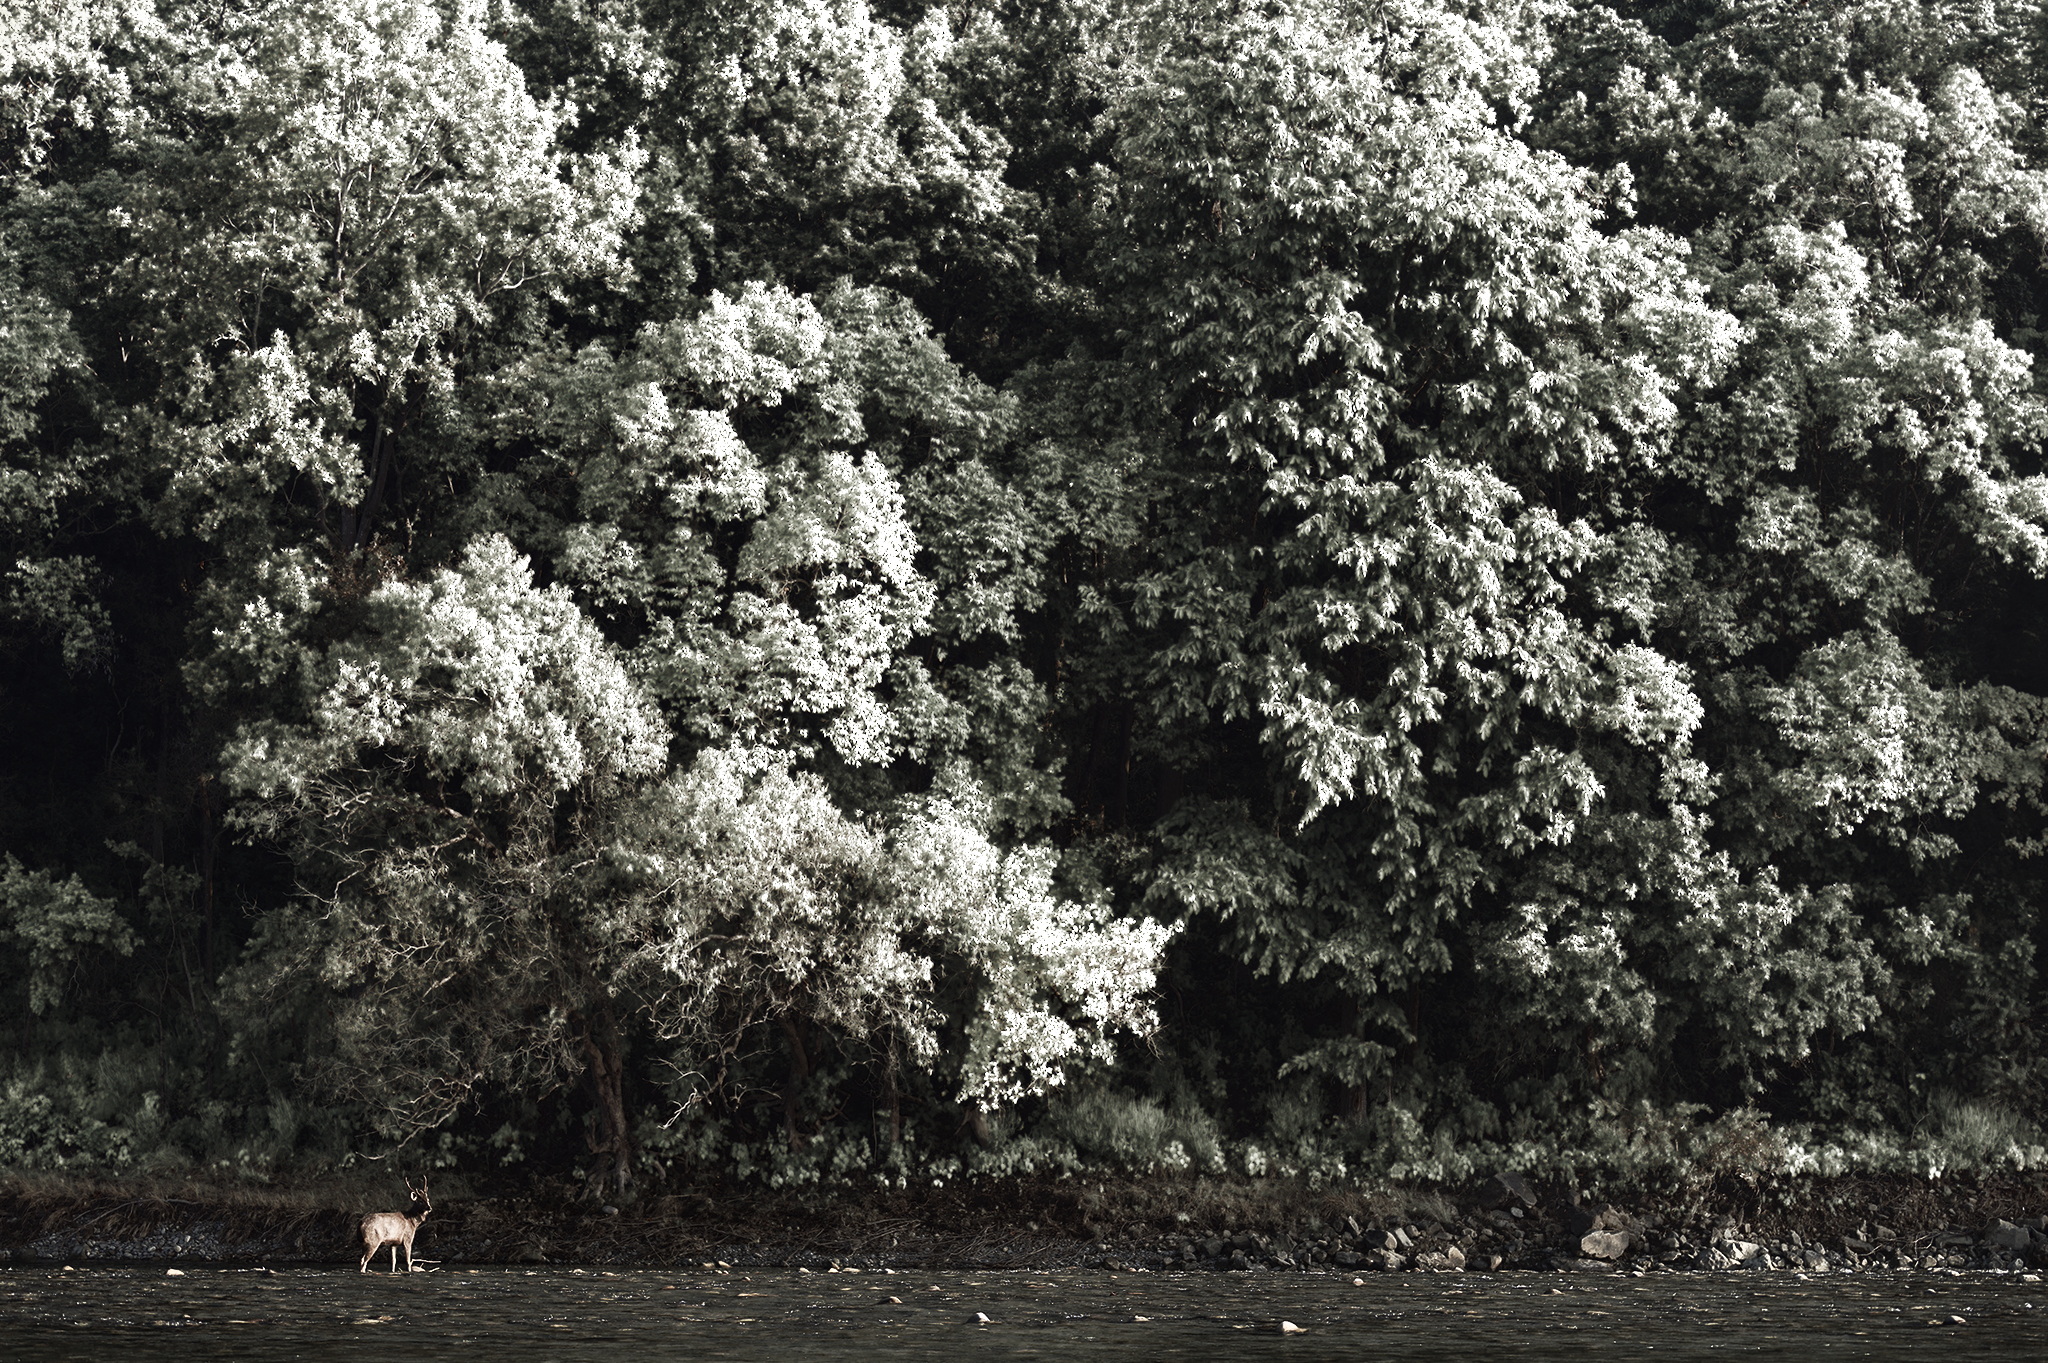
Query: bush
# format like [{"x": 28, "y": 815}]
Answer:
[{"x": 1136, "y": 1133}]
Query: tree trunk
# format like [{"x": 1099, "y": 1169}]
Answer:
[
  {"x": 1358, "y": 1096},
  {"x": 209, "y": 845},
  {"x": 356, "y": 521},
  {"x": 799, "y": 1071},
  {"x": 614, "y": 1150},
  {"x": 895, "y": 1091}
]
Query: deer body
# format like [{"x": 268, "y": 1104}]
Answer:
[{"x": 394, "y": 1229}]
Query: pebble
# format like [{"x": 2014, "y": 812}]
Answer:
[
  {"x": 1288, "y": 1327},
  {"x": 174, "y": 1273},
  {"x": 981, "y": 1318}
]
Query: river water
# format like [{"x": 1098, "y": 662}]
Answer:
[{"x": 499, "y": 1315}]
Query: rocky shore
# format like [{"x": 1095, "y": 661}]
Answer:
[{"x": 1504, "y": 1222}]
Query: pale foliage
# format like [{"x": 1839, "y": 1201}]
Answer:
[
  {"x": 477, "y": 678},
  {"x": 757, "y": 899}
]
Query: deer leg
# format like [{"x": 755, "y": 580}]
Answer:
[{"x": 394, "y": 1256}]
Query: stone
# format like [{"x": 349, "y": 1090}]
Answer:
[
  {"x": 1378, "y": 1239},
  {"x": 1604, "y": 1244},
  {"x": 1352, "y": 1228},
  {"x": 1603, "y": 1216},
  {"x": 981, "y": 1318},
  {"x": 1404, "y": 1238},
  {"x": 2006, "y": 1235},
  {"x": 1815, "y": 1260},
  {"x": 1741, "y": 1251},
  {"x": 1503, "y": 1189},
  {"x": 1345, "y": 1258},
  {"x": 1455, "y": 1257},
  {"x": 1212, "y": 1248},
  {"x": 1856, "y": 1246},
  {"x": 1386, "y": 1260},
  {"x": 1288, "y": 1327}
]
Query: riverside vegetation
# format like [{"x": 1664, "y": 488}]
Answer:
[
  {"x": 829, "y": 597},
  {"x": 1809, "y": 1226}
]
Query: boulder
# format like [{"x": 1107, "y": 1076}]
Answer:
[
  {"x": 1504, "y": 1189},
  {"x": 1604, "y": 1216},
  {"x": 1740, "y": 1251},
  {"x": 1378, "y": 1240},
  {"x": 1605, "y": 1244},
  {"x": 1212, "y": 1248},
  {"x": 2005, "y": 1235},
  {"x": 1344, "y": 1258}
]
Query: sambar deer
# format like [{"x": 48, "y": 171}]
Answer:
[{"x": 395, "y": 1228}]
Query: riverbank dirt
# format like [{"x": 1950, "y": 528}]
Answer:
[{"x": 1250, "y": 1225}]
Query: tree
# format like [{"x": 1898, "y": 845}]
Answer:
[
  {"x": 494, "y": 880},
  {"x": 1847, "y": 538},
  {"x": 359, "y": 189},
  {"x": 444, "y": 789},
  {"x": 1386, "y": 337}
]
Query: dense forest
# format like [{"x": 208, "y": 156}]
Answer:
[{"x": 844, "y": 589}]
